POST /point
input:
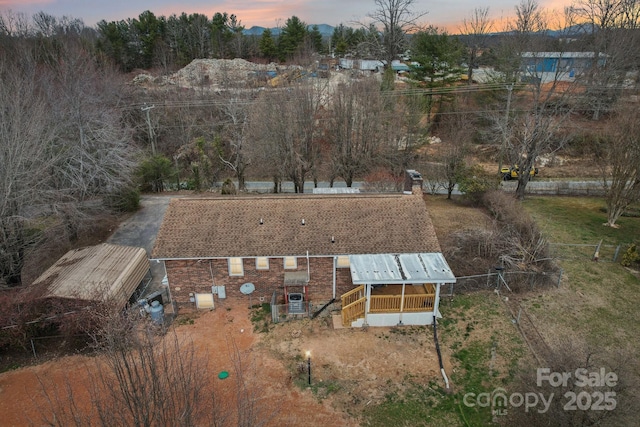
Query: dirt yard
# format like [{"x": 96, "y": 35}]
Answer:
[{"x": 351, "y": 368}]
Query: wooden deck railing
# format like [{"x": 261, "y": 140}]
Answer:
[
  {"x": 353, "y": 295},
  {"x": 421, "y": 302},
  {"x": 385, "y": 303},
  {"x": 353, "y": 311},
  {"x": 354, "y": 303},
  {"x": 391, "y": 303}
]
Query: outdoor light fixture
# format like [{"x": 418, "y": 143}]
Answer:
[{"x": 309, "y": 365}]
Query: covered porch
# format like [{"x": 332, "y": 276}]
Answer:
[{"x": 394, "y": 289}]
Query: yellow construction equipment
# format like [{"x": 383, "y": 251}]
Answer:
[{"x": 512, "y": 172}]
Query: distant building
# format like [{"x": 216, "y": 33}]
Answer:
[
  {"x": 361, "y": 64},
  {"x": 562, "y": 66}
]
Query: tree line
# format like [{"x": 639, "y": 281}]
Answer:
[{"x": 169, "y": 42}]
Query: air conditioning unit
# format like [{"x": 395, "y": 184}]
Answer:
[{"x": 296, "y": 303}]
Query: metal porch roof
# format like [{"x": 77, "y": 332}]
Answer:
[{"x": 413, "y": 268}]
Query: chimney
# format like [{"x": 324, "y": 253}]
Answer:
[{"x": 413, "y": 182}]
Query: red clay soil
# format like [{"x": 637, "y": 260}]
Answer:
[
  {"x": 365, "y": 364},
  {"x": 22, "y": 402}
]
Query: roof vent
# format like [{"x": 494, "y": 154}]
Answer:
[
  {"x": 302, "y": 221},
  {"x": 261, "y": 221},
  {"x": 333, "y": 240}
]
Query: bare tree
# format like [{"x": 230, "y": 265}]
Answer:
[
  {"x": 542, "y": 101},
  {"x": 62, "y": 144},
  {"x": 618, "y": 155},
  {"x": 143, "y": 375},
  {"x": 477, "y": 29},
  {"x": 15, "y": 24},
  {"x": 266, "y": 149},
  {"x": 142, "y": 379},
  {"x": 396, "y": 18},
  {"x": 612, "y": 400},
  {"x": 234, "y": 137},
  {"x": 27, "y": 133},
  {"x": 354, "y": 128},
  {"x": 286, "y": 133},
  {"x": 457, "y": 138},
  {"x": 611, "y": 31},
  {"x": 250, "y": 410}
]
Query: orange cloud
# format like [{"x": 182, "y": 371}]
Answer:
[
  {"x": 24, "y": 2},
  {"x": 262, "y": 13}
]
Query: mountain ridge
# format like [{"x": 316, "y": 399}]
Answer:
[{"x": 325, "y": 30}]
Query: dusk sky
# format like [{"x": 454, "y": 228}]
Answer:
[{"x": 268, "y": 13}]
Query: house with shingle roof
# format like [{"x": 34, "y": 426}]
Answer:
[{"x": 376, "y": 253}]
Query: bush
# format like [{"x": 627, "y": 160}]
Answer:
[
  {"x": 123, "y": 200},
  {"x": 515, "y": 241},
  {"x": 474, "y": 182},
  {"x": 525, "y": 244},
  {"x": 631, "y": 256},
  {"x": 228, "y": 187},
  {"x": 381, "y": 180}
]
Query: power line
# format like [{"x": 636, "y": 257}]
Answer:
[{"x": 395, "y": 93}]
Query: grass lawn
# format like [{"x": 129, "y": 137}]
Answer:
[
  {"x": 598, "y": 300},
  {"x": 595, "y": 310},
  {"x": 485, "y": 349},
  {"x": 579, "y": 220}
]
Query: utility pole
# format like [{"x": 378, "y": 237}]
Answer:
[
  {"x": 151, "y": 135},
  {"x": 505, "y": 133}
]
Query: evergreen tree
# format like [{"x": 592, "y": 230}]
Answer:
[
  {"x": 221, "y": 35},
  {"x": 316, "y": 39},
  {"x": 339, "y": 43},
  {"x": 439, "y": 57},
  {"x": 267, "y": 45},
  {"x": 150, "y": 32},
  {"x": 292, "y": 38}
]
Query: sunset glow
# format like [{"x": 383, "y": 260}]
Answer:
[{"x": 446, "y": 15}]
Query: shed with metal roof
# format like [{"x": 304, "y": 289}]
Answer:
[{"x": 105, "y": 272}]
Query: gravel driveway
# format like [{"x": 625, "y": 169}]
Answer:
[{"x": 141, "y": 229}]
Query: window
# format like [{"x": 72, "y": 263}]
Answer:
[
  {"x": 290, "y": 263},
  {"x": 343, "y": 261},
  {"x": 235, "y": 267},
  {"x": 262, "y": 263},
  {"x": 204, "y": 301}
]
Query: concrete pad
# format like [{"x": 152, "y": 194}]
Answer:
[{"x": 337, "y": 321}]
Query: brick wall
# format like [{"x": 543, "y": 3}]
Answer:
[{"x": 187, "y": 277}]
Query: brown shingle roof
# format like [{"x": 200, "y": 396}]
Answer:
[{"x": 359, "y": 224}]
